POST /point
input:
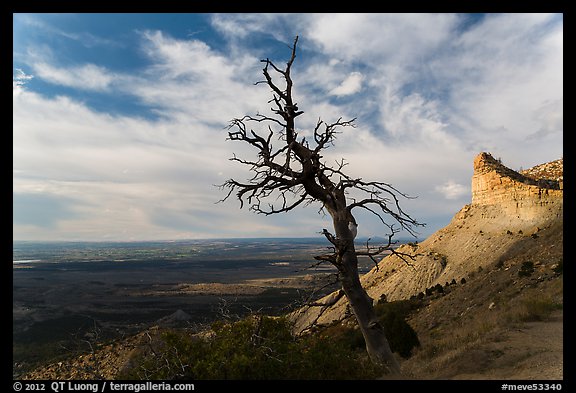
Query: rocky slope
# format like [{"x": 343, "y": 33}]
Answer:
[
  {"x": 505, "y": 322},
  {"x": 508, "y": 212}
]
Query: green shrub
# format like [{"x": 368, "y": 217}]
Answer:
[
  {"x": 257, "y": 347},
  {"x": 443, "y": 260},
  {"x": 401, "y": 337},
  {"x": 526, "y": 269}
]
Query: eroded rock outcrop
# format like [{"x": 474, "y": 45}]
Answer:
[{"x": 525, "y": 198}]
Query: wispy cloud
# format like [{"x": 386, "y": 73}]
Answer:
[
  {"x": 388, "y": 38},
  {"x": 351, "y": 85},
  {"x": 453, "y": 190},
  {"x": 20, "y": 78},
  {"x": 190, "y": 80},
  {"x": 84, "y": 77}
]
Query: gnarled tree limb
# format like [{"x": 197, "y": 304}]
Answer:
[{"x": 289, "y": 171}]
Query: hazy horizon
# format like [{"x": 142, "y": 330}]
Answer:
[{"x": 306, "y": 238}]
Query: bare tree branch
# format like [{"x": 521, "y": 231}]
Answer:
[
  {"x": 372, "y": 251},
  {"x": 293, "y": 173}
]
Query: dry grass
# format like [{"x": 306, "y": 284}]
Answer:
[
  {"x": 537, "y": 309},
  {"x": 463, "y": 337}
]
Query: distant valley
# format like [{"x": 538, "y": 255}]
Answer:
[{"x": 64, "y": 292}]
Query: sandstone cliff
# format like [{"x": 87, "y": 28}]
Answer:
[
  {"x": 523, "y": 198},
  {"x": 508, "y": 210}
]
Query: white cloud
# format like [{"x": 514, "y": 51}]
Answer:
[
  {"x": 191, "y": 81},
  {"x": 20, "y": 78},
  {"x": 414, "y": 120},
  {"x": 128, "y": 173},
  {"x": 550, "y": 117},
  {"x": 237, "y": 27},
  {"x": 432, "y": 81},
  {"x": 126, "y": 176},
  {"x": 85, "y": 77},
  {"x": 397, "y": 38},
  {"x": 452, "y": 190},
  {"x": 351, "y": 85},
  {"x": 502, "y": 73},
  {"x": 184, "y": 58}
]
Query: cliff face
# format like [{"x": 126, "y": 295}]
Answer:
[
  {"x": 524, "y": 198},
  {"x": 509, "y": 210}
]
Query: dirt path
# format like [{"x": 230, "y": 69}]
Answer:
[{"x": 532, "y": 352}]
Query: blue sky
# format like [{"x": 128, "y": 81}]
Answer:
[{"x": 119, "y": 119}]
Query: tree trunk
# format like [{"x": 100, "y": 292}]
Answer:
[
  {"x": 362, "y": 304},
  {"x": 295, "y": 174}
]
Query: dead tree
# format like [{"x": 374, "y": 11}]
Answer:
[{"x": 289, "y": 171}]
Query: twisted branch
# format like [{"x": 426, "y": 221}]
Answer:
[{"x": 293, "y": 173}]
